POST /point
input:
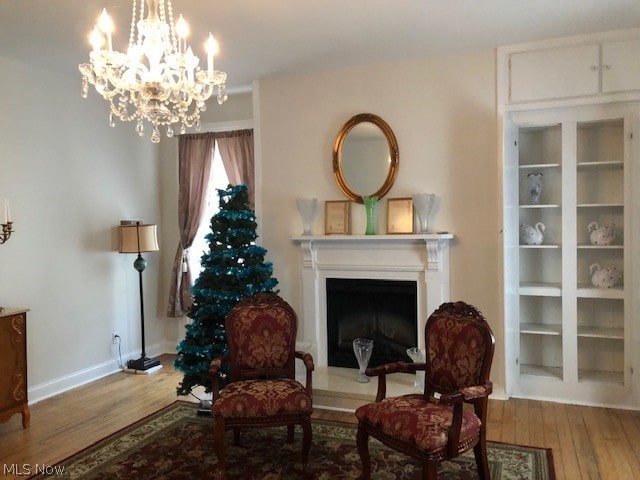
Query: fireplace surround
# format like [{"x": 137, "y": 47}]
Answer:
[{"x": 422, "y": 259}]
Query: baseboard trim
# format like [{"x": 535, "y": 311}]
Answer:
[{"x": 90, "y": 374}]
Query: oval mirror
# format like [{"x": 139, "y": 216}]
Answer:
[{"x": 365, "y": 157}]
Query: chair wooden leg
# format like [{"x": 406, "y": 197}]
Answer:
[
  {"x": 480, "y": 452},
  {"x": 218, "y": 444},
  {"x": 306, "y": 442},
  {"x": 363, "y": 449},
  {"x": 429, "y": 470},
  {"x": 290, "y": 433},
  {"x": 236, "y": 436}
]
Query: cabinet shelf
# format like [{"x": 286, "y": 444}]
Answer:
[
  {"x": 540, "y": 329},
  {"x": 540, "y": 246},
  {"x": 599, "y": 332},
  {"x": 539, "y": 165},
  {"x": 600, "y": 205},
  {"x": 598, "y": 376},
  {"x": 541, "y": 371},
  {"x": 540, "y": 289},
  {"x": 589, "y": 291},
  {"x": 614, "y": 163},
  {"x": 600, "y": 247},
  {"x": 551, "y": 205}
]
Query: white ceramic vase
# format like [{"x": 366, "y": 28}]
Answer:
[
  {"x": 308, "y": 209},
  {"x": 423, "y": 203}
]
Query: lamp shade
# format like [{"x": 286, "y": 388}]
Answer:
[{"x": 138, "y": 238}]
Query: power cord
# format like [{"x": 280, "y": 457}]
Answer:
[{"x": 120, "y": 364}]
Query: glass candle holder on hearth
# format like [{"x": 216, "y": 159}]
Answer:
[{"x": 363, "y": 347}]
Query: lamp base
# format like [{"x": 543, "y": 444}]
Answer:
[{"x": 142, "y": 363}]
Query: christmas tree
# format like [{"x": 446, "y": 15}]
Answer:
[{"x": 233, "y": 268}]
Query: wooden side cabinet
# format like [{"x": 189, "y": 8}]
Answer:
[{"x": 13, "y": 365}]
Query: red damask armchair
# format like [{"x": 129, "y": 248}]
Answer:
[
  {"x": 262, "y": 390},
  {"x": 459, "y": 345}
]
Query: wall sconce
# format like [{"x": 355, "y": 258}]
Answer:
[{"x": 7, "y": 226}]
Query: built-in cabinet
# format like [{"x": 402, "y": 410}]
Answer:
[
  {"x": 598, "y": 68},
  {"x": 567, "y": 339}
]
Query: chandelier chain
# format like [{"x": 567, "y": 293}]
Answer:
[
  {"x": 133, "y": 25},
  {"x": 171, "y": 26}
]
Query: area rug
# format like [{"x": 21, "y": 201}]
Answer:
[{"x": 175, "y": 443}]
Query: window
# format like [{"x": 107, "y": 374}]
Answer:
[{"x": 218, "y": 180}]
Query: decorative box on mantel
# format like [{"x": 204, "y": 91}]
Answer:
[{"x": 422, "y": 258}]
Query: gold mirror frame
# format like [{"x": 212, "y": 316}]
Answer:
[{"x": 393, "y": 154}]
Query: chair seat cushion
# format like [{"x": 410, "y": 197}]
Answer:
[
  {"x": 259, "y": 398},
  {"x": 413, "y": 419}
]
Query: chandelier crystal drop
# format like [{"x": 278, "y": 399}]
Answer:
[{"x": 159, "y": 79}]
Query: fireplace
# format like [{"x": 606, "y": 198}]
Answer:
[
  {"x": 421, "y": 260},
  {"x": 382, "y": 310}
]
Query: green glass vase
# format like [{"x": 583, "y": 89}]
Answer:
[{"x": 370, "y": 207}]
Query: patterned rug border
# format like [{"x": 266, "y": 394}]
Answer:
[{"x": 177, "y": 403}]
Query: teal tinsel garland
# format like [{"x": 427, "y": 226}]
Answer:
[{"x": 233, "y": 268}]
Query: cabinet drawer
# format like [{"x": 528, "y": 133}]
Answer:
[
  {"x": 13, "y": 365},
  {"x": 555, "y": 73}
]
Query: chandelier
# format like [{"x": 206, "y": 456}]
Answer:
[{"x": 158, "y": 80}]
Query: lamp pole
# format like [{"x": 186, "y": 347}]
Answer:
[{"x": 140, "y": 264}]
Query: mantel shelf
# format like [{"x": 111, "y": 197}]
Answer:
[{"x": 374, "y": 238}]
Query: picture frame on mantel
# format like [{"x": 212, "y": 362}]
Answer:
[
  {"x": 337, "y": 217},
  {"x": 399, "y": 216}
]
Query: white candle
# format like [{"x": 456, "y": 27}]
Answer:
[
  {"x": 106, "y": 25},
  {"x": 6, "y": 211},
  {"x": 212, "y": 48}
]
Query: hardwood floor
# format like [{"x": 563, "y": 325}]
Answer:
[{"x": 587, "y": 442}]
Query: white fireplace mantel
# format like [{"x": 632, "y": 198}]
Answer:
[{"x": 423, "y": 258}]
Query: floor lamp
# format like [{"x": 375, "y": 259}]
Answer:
[{"x": 139, "y": 238}]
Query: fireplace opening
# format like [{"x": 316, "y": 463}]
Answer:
[{"x": 382, "y": 310}]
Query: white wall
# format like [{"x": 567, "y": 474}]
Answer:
[
  {"x": 443, "y": 113},
  {"x": 70, "y": 179}
]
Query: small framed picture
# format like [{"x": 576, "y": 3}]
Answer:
[
  {"x": 337, "y": 217},
  {"x": 399, "y": 215}
]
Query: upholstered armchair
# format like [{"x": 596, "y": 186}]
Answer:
[
  {"x": 433, "y": 426},
  {"x": 262, "y": 389}
]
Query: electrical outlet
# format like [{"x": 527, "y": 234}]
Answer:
[{"x": 115, "y": 336}]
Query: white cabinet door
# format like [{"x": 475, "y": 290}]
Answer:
[
  {"x": 555, "y": 73},
  {"x": 621, "y": 66}
]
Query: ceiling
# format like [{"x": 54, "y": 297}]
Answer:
[{"x": 265, "y": 38}]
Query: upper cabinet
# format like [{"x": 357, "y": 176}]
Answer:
[
  {"x": 554, "y": 73},
  {"x": 592, "y": 69},
  {"x": 620, "y": 66}
]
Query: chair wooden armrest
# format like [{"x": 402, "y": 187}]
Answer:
[
  {"x": 307, "y": 359},
  {"x": 477, "y": 392},
  {"x": 214, "y": 371},
  {"x": 383, "y": 370},
  {"x": 471, "y": 394}
]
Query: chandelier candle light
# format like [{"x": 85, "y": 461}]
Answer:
[{"x": 159, "y": 79}]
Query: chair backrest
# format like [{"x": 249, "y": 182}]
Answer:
[
  {"x": 261, "y": 334},
  {"x": 459, "y": 345}
]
